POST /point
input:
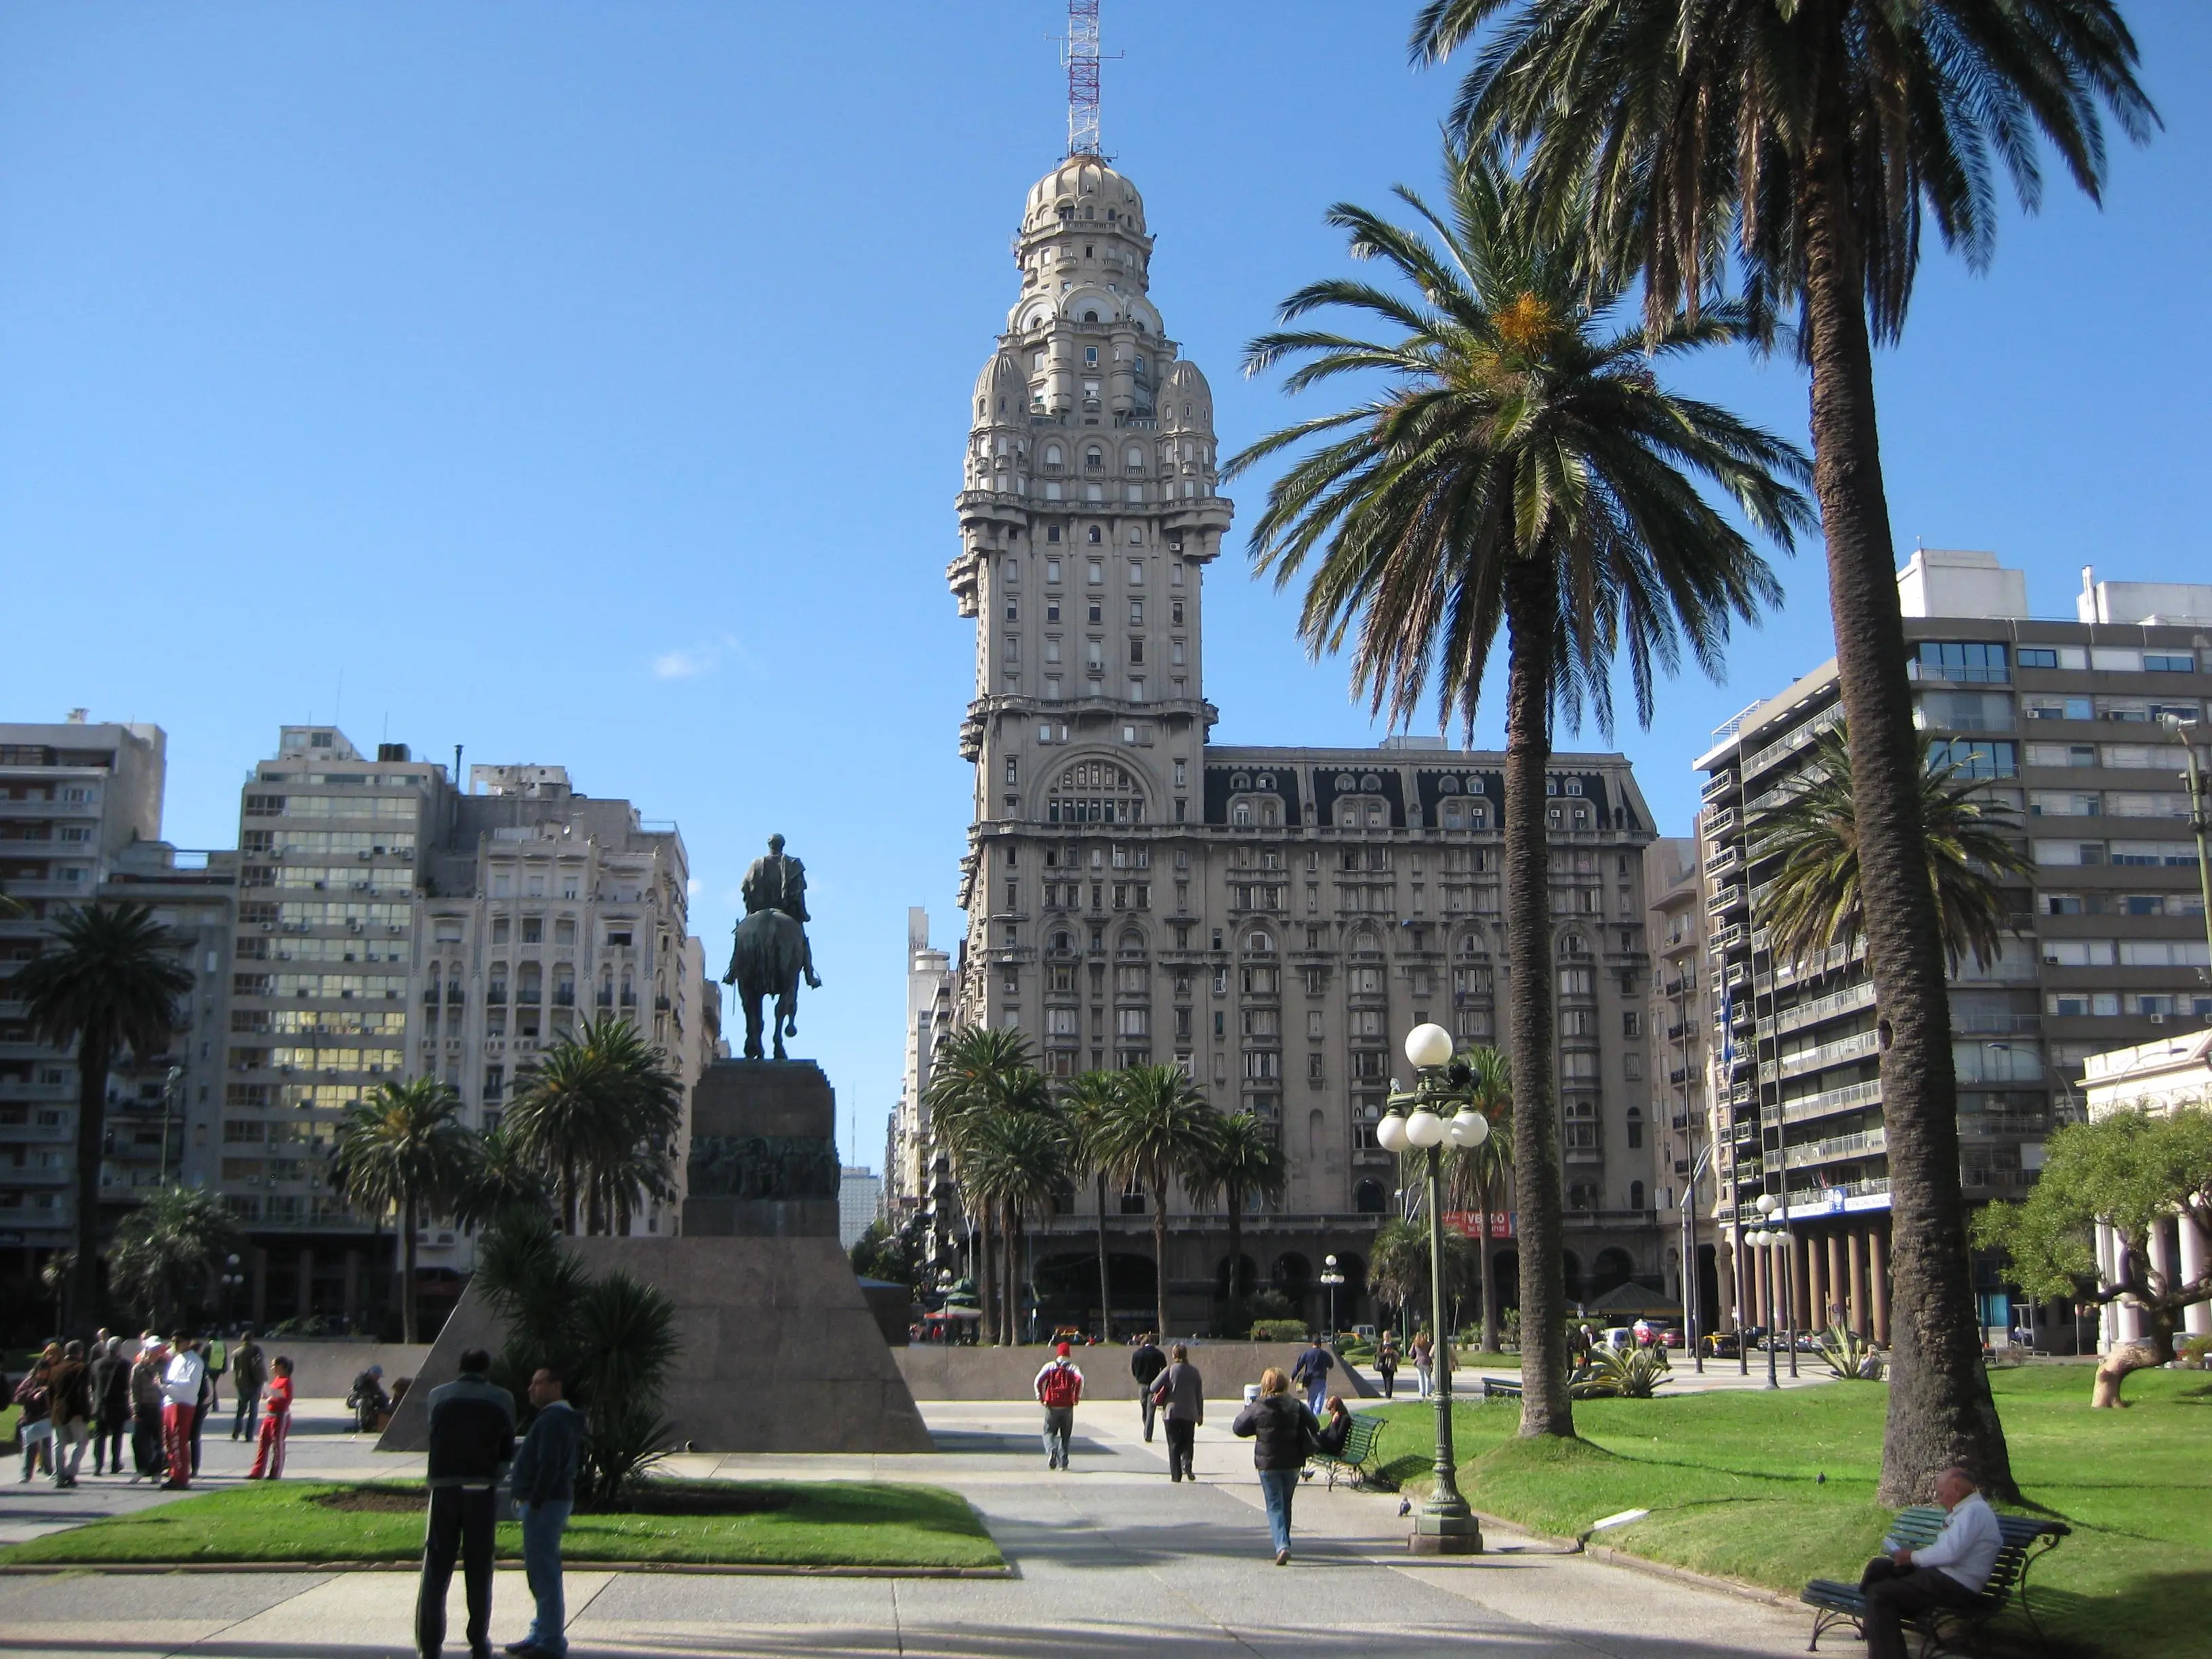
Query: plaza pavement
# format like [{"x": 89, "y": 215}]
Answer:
[{"x": 1109, "y": 1559}]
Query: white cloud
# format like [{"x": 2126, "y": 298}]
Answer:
[{"x": 683, "y": 665}]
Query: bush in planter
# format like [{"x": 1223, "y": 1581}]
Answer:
[{"x": 1279, "y": 1330}]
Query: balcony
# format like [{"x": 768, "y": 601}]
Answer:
[
  {"x": 1850, "y": 1097},
  {"x": 1858, "y": 1046},
  {"x": 1870, "y": 1143},
  {"x": 1727, "y": 898},
  {"x": 1721, "y": 784}
]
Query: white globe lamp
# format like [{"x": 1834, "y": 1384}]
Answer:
[
  {"x": 1429, "y": 1046},
  {"x": 1425, "y": 1128},
  {"x": 1390, "y": 1132},
  {"x": 1469, "y": 1128}
]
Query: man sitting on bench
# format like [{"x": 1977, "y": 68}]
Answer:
[{"x": 1949, "y": 1573}]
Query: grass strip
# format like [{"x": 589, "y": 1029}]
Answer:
[
  {"x": 829, "y": 1523},
  {"x": 1774, "y": 1489}
]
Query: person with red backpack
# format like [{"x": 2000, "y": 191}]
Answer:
[{"x": 1059, "y": 1390}]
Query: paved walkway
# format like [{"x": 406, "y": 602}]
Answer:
[{"x": 1109, "y": 1559}]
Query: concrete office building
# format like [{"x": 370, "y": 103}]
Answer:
[
  {"x": 1273, "y": 920},
  {"x": 2059, "y": 719},
  {"x": 1681, "y": 1041},
  {"x": 390, "y": 927},
  {"x": 914, "y": 1168},
  {"x": 860, "y": 1203},
  {"x": 81, "y": 822}
]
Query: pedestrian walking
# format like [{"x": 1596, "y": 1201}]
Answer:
[
  {"x": 35, "y": 1428},
  {"x": 71, "y": 1411},
  {"x": 111, "y": 1407},
  {"x": 1386, "y": 1365},
  {"x": 1283, "y": 1433},
  {"x": 1181, "y": 1392},
  {"x": 1058, "y": 1390},
  {"x": 146, "y": 1407},
  {"x": 275, "y": 1424},
  {"x": 1145, "y": 1364},
  {"x": 1425, "y": 1357},
  {"x": 1311, "y": 1371},
  {"x": 248, "y": 1375},
  {"x": 182, "y": 1379},
  {"x": 471, "y": 1439},
  {"x": 545, "y": 1494}
]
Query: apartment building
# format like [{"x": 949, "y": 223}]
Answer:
[
  {"x": 915, "y": 1173},
  {"x": 81, "y": 822},
  {"x": 2059, "y": 720},
  {"x": 1680, "y": 1023}
]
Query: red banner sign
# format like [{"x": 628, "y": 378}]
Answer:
[{"x": 1468, "y": 1224}]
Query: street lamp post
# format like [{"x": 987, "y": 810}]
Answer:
[
  {"x": 1445, "y": 1525},
  {"x": 2200, "y": 818},
  {"x": 1332, "y": 1276},
  {"x": 231, "y": 1279},
  {"x": 1763, "y": 1242},
  {"x": 170, "y": 1085},
  {"x": 1776, "y": 1212}
]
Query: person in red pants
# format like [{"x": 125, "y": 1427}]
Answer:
[
  {"x": 180, "y": 1400},
  {"x": 276, "y": 1424}
]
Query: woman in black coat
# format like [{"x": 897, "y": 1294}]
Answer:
[{"x": 1284, "y": 1434}]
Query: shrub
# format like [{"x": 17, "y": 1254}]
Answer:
[
  {"x": 1279, "y": 1330},
  {"x": 1850, "y": 1356},
  {"x": 1633, "y": 1374}
]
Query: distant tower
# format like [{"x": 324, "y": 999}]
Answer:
[{"x": 1081, "y": 51}]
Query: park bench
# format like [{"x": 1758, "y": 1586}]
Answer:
[
  {"x": 1835, "y": 1603},
  {"x": 1497, "y": 1387},
  {"x": 1360, "y": 1435}
]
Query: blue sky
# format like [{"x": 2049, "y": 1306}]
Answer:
[{"x": 586, "y": 383}]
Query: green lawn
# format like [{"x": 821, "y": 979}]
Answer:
[
  {"x": 1732, "y": 1482},
  {"x": 817, "y": 1524}
]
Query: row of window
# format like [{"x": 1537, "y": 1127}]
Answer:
[
  {"x": 2169, "y": 854},
  {"x": 2101, "y": 1005},
  {"x": 1991, "y": 662},
  {"x": 2127, "y": 953}
]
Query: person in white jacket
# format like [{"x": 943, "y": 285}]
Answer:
[
  {"x": 1950, "y": 1572},
  {"x": 180, "y": 1403}
]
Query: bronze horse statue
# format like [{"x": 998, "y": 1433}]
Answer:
[{"x": 769, "y": 955}]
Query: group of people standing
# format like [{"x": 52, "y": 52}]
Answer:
[
  {"x": 1422, "y": 1350},
  {"x": 1284, "y": 1429},
  {"x": 160, "y": 1395}
]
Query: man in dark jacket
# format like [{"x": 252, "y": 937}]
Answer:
[
  {"x": 472, "y": 1438},
  {"x": 249, "y": 1371},
  {"x": 544, "y": 1492},
  {"x": 111, "y": 1407},
  {"x": 1311, "y": 1372},
  {"x": 1145, "y": 1364},
  {"x": 72, "y": 1382}
]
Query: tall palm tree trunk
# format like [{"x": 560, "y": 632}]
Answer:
[
  {"x": 1014, "y": 1276},
  {"x": 1159, "y": 1191},
  {"x": 1939, "y": 1409},
  {"x": 568, "y": 1195},
  {"x": 1544, "y": 1407},
  {"x": 94, "y": 1058},
  {"x": 1105, "y": 1279},
  {"x": 1236, "y": 1249},
  {"x": 1482, "y": 1260},
  {"x": 406, "y": 1242}
]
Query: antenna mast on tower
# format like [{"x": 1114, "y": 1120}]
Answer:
[{"x": 1080, "y": 53}]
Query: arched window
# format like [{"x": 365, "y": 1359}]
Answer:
[
  {"x": 1635, "y": 1195},
  {"x": 1470, "y": 944},
  {"x": 1132, "y": 941},
  {"x": 1089, "y": 316},
  {"x": 1093, "y": 459},
  {"x": 496, "y": 986},
  {"x": 1259, "y": 943},
  {"x": 1095, "y": 791},
  {"x": 1573, "y": 944},
  {"x": 1369, "y": 1198},
  {"x": 1052, "y": 454},
  {"x": 1134, "y": 459},
  {"x": 1092, "y": 536},
  {"x": 1635, "y": 1135},
  {"x": 527, "y": 983}
]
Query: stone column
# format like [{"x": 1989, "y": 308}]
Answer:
[
  {"x": 1855, "y": 1284},
  {"x": 1835, "y": 1280},
  {"x": 1816, "y": 1280},
  {"x": 1801, "y": 1251},
  {"x": 1724, "y": 1316},
  {"x": 2197, "y": 1321},
  {"x": 1878, "y": 1280},
  {"x": 2108, "y": 1314},
  {"x": 2162, "y": 1253}
]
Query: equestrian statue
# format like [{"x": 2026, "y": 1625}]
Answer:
[{"x": 772, "y": 951}]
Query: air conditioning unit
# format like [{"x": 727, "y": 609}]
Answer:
[{"x": 2158, "y": 1020}]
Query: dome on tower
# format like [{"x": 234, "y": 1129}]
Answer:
[
  {"x": 1083, "y": 190},
  {"x": 1185, "y": 401},
  {"x": 1002, "y": 392}
]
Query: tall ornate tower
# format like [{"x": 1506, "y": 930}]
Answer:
[{"x": 1087, "y": 520}]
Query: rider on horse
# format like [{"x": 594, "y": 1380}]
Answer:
[
  {"x": 771, "y": 951},
  {"x": 778, "y": 882}
]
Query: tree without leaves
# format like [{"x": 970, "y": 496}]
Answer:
[
  {"x": 1808, "y": 137},
  {"x": 1156, "y": 1134},
  {"x": 2132, "y": 1171},
  {"x": 1520, "y": 467},
  {"x": 167, "y": 1249},
  {"x": 403, "y": 1149},
  {"x": 108, "y": 982},
  {"x": 1818, "y": 902}
]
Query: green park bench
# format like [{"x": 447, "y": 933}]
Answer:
[
  {"x": 1835, "y": 1603},
  {"x": 1500, "y": 1388},
  {"x": 1360, "y": 1435}
]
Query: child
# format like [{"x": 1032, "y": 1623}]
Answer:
[{"x": 276, "y": 1423}]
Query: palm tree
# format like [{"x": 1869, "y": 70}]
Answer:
[
  {"x": 505, "y": 1177},
  {"x": 1157, "y": 1133},
  {"x": 598, "y": 1113},
  {"x": 1812, "y": 137},
  {"x": 108, "y": 982},
  {"x": 1484, "y": 1173},
  {"x": 1817, "y": 900},
  {"x": 165, "y": 1250},
  {"x": 403, "y": 1149},
  {"x": 1017, "y": 1163},
  {"x": 976, "y": 1073},
  {"x": 1398, "y": 1270},
  {"x": 1519, "y": 465},
  {"x": 1085, "y": 1101},
  {"x": 1241, "y": 1161}
]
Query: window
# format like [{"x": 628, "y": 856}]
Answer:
[
  {"x": 1635, "y": 1141},
  {"x": 2058, "y": 708},
  {"x": 1052, "y": 565},
  {"x": 1971, "y": 661},
  {"x": 2166, "y": 662},
  {"x": 1975, "y": 757},
  {"x": 2037, "y": 656}
]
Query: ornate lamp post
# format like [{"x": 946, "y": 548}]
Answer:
[
  {"x": 1785, "y": 1278},
  {"x": 1331, "y": 1275},
  {"x": 232, "y": 1279},
  {"x": 1445, "y": 1525}
]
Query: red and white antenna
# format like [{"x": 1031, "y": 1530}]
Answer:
[{"x": 1079, "y": 51}]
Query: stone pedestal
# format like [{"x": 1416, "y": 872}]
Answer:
[{"x": 778, "y": 1350}]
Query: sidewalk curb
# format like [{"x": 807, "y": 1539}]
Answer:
[
  {"x": 734, "y": 1569},
  {"x": 1735, "y": 1587}
]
